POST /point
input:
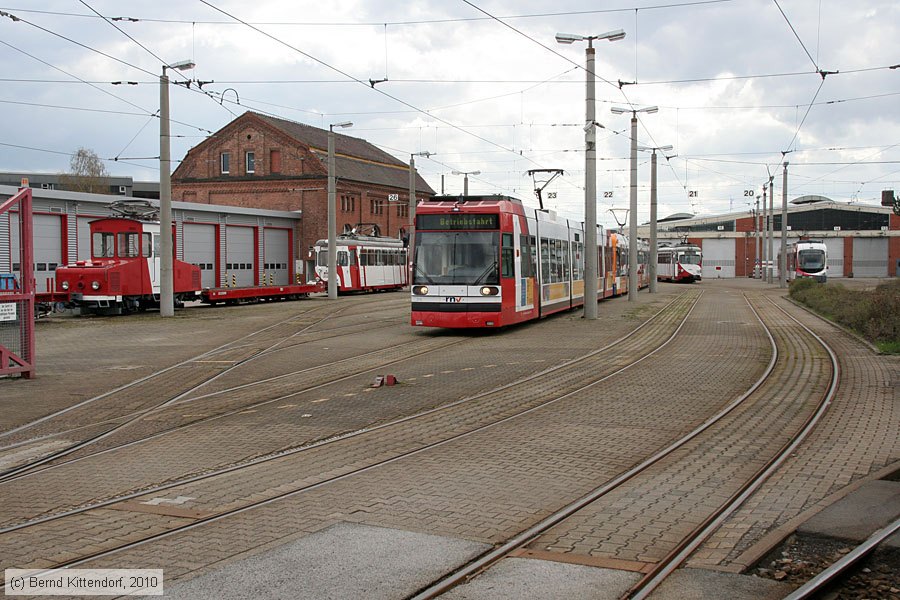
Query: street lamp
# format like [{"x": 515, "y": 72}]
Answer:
[
  {"x": 466, "y": 179},
  {"x": 332, "y": 213},
  {"x": 653, "y": 244},
  {"x": 632, "y": 223},
  {"x": 590, "y": 166},
  {"x": 411, "y": 228},
  {"x": 166, "y": 283}
]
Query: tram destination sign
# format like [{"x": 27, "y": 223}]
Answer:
[{"x": 458, "y": 221}]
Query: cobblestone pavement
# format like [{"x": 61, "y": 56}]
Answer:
[
  {"x": 856, "y": 440},
  {"x": 495, "y": 483}
]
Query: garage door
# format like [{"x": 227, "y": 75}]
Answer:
[
  {"x": 239, "y": 255},
  {"x": 870, "y": 257},
  {"x": 835, "y": 247},
  {"x": 199, "y": 248},
  {"x": 718, "y": 259},
  {"x": 276, "y": 252},
  {"x": 47, "y": 249}
]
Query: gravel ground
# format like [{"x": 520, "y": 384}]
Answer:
[{"x": 801, "y": 558}]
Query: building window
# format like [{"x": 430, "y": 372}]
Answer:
[
  {"x": 275, "y": 161},
  {"x": 226, "y": 163},
  {"x": 377, "y": 206},
  {"x": 403, "y": 210},
  {"x": 348, "y": 203},
  {"x": 251, "y": 162}
]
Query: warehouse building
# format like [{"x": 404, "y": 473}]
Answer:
[
  {"x": 232, "y": 245},
  {"x": 259, "y": 161},
  {"x": 862, "y": 240}
]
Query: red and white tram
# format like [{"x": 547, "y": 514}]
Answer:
[
  {"x": 365, "y": 263},
  {"x": 682, "y": 263},
  {"x": 807, "y": 258},
  {"x": 487, "y": 261}
]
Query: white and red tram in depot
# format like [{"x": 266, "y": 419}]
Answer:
[
  {"x": 681, "y": 263},
  {"x": 807, "y": 259},
  {"x": 365, "y": 263},
  {"x": 487, "y": 261}
]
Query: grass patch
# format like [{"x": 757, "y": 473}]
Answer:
[{"x": 873, "y": 314}]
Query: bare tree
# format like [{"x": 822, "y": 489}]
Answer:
[{"x": 87, "y": 173}]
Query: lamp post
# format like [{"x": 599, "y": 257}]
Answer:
[
  {"x": 332, "y": 213},
  {"x": 590, "y": 166},
  {"x": 756, "y": 228},
  {"x": 651, "y": 261},
  {"x": 166, "y": 283},
  {"x": 782, "y": 263},
  {"x": 466, "y": 179},
  {"x": 632, "y": 223},
  {"x": 771, "y": 272},
  {"x": 411, "y": 227}
]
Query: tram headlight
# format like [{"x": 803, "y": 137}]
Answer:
[
  {"x": 420, "y": 290},
  {"x": 95, "y": 285},
  {"x": 65, "y": 285},
  {"x": 489, "y": 291}
]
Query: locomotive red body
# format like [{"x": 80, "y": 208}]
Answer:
[{"x": 123, "y": 273}]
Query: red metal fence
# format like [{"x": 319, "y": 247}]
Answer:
[{"x": 17, "y": 298}]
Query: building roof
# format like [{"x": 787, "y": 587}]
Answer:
[{"x": 355, "y": 158}]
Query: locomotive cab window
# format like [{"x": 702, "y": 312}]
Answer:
[
  {"x": 133, "y": 244},
  {"x": 104, "y": 245}
]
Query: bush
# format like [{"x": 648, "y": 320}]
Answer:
[{"x": 874, "y": 314}]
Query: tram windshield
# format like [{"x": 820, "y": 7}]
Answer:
[
  {"x": 811, "y": 260},
  {"x": 457, "y": 257},
  {"x": 689, "y": 258}
]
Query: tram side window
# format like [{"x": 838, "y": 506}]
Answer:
[
  {"x": 526, "y": 242},
  {"x": 566, "y": 259},
  {"x": 507, "y": 256},
  {"x": 104, "y": 245},
  {"x": 578, "y": 260},
  {"x": 342, "y": 258},
  {"x": 146, "y": 245}
]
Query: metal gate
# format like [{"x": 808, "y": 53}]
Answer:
[
  {"x": 199, "y": 245},
  {"x": 718, "y": 259},
  {"x": 17, "y": 299},
  {"x": 870, "y": 257},
  {"x": 277, "y": 250}
]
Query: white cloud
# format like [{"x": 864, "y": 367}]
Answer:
[{"x": 481, "y": 77}]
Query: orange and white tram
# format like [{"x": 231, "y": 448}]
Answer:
[
  {"x": 365, "y": 263},
  {"x": 487, "y": 261}
]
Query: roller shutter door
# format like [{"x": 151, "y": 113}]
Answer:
[
  {"x": 84, "y": 237},
  {"x": 835, "y": 248},
  {"x": 47, "y": 249},
  {"x": 276, "y": 252},
  {"x": 870, "y": 257},
  {"x": 718, "y": 259},
  {"x": 199, "y": 247},
  {"x": 239, "y": 256}
]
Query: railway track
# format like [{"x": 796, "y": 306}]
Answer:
[
  {"x": 689, "y": 540},
  {"x": 130, "y": 404},
  {"x": 301, "y": 470}
]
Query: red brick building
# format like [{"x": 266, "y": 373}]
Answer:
[{"x": 258, "y": 161}]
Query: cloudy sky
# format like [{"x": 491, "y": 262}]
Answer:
[{"x": 483, "y": 85}]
